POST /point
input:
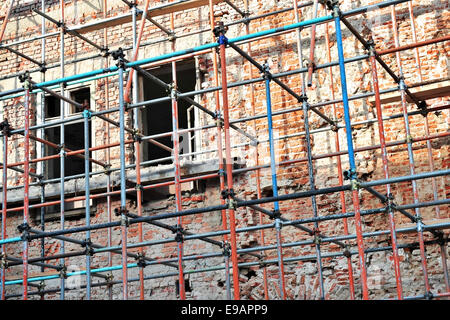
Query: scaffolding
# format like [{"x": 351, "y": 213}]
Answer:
[{"x": 126, "y": 73}]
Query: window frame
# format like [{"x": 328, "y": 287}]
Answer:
[
  {"x": 79, "y": 211},
  {"x": 195, "y": 136}
]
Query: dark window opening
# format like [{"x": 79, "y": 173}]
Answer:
[
  {"x": 82, "y": 96},
  {"x": 187, "y": 287},
  {"x": 157, "y": 118},
  {"x": 52, "y": 107},
  {"x": 73, "y": 140}
]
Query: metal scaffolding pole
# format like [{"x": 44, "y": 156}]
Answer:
[
  {"x": 137, "y": 148},
  {"x": 339, "y": 166},
  {"x": 258, "y": 172},
  {"x": 123, "y": 201},
  {"x": 219, "y": 32},
  {"x": 348, "y": 128},
  {"x": 384, "y": 156},
  {"x": 229, "y": 202},
  {"x": 4, "y": 126},
  {"x": 219, "y": 125},
  {"x": 177, "y": 173},
  {"x": 276, "y": 206},
  {"x": 410, "y": 154},
  {"x": 24, "y": 227}
]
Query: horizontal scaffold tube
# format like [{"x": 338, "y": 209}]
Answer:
[
  {"x": 254, "y": 36},
  {"x": 240, "y": 204},
  {"x": 247, "y": 264}
]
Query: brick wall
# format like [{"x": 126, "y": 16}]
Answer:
[{"x": 302, "y": 282}]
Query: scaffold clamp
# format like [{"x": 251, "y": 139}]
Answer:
[
  {"x": 232, "y": 204},
  {"x": 409, "y": 139},
  {"x": 120, "y": 211},
  {"x": 105, "y": 52},
  {"x": 109, "y": 277},
  {"x": 334, "y": 5},
  {"x": 120, "y": 56},
  {"x": 227, "y": 193},
  {"x": 401, "y": 83},
  {"x": 334, "y": 126},
  {"x": 43, "y": 68},
  {"x": 349, "y": 174},
  {"x": 89, "y": 251},
  {"x": 246, "y": 19},
  {"x": 87, "y": 114},
  {"x": 41, "y": 286},
  {"x": 265, "y": 71},
  {"x": 317, "y": 239},
  {"x": 26, "y": 80},
  {"x": 141, "y": 260},
  {"x": 5, "y": 128},
  {"x": 179, "y": 237},
  {"x": 423, "y": 108},
  {"x": 219, "y": 122},
  {"x": 62, "y": 271},
  {"x": 355, "y": 184},
  {"x": 137, "y": 135},
  {"x": 3, "y": 261},
  {"x": 124, "y": 220},
  {"x": 347, "y": 252},
  {"x": 275, "y": 214},
  {"x": 278, "y": 224},
  {"x": 24, "y": 229},
  {"x": 226, "y": 248},
  {"x": 219, "y": 31},
  {"x": 172, "y": 36},
  {"x": 389, "y": 201}
]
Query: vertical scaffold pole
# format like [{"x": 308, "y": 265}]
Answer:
[
  {"x": 108, "y": 151},
  {"x": 176, "y": 162},
  {"x": 258, "y": 171},
  {"x": 313, "y": 198},
  {"x": 137, "y": 146},
  {"x": 351, "y": 153},
  {"x": 339, "y": 167},
  {"x": 4, "y": 206},
  {"x": 62, "y": 153},
  {"x": 5, "y": 177},
  {"x": 384, "y": 157},
  {"x": 42, "y": 133},
  {"x": 26, "y": 168},
  {"x": 220, "y": 32},
  {"x": 220, "y": 156},
  {"x": 86, "y": 119},
  {"x": 273, "y": 170},
  {"x": 123, "y": 192},
  {"x": 410, "y": 154},
  {"x": 426, "y": 122},
  {"x": 305, "y": 107}
]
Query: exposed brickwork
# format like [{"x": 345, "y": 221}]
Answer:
[{"x": 280, "y": 51}]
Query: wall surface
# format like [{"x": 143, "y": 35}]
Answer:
[{"x": 432, "y": 20}]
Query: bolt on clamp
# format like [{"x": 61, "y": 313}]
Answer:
[
  {"x": 62, "y": 271},
  {"x": 232, "y": 204},
  {"x": 3, "y": 261},
  {"x": 24, "y": 229},
  {"x": 355, "y": 184},
  {"x": 89, "y": 251},
  {"x": 226, "y": 246},
  {"x": 141, "y": 260}
]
